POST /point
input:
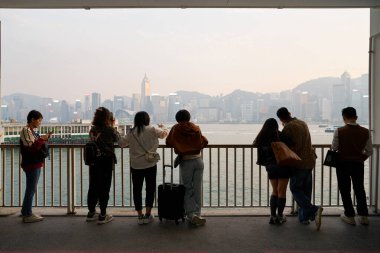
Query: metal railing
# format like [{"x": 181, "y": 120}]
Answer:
[{"x": 231, "y": 178}]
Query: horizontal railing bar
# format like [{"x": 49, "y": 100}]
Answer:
[{"x": 228, "y": 168}]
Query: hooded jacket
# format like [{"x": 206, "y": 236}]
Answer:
[{"x": 186, "y": 139}]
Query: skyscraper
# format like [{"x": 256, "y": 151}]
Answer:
[
  {"x": 87, "y": 107},
  {"x": 173, "y": 106},
  {"x": 118, "y": 103},
  {"x": 95, "y": 101},
  {"x": 145, "y": 103}
]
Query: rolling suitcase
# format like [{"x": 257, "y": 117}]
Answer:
[{"x": 170, "y": 199}]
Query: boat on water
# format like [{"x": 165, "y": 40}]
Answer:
[
  {"x": 323, "y": 125},
  {"x": 331, "y": 129}
]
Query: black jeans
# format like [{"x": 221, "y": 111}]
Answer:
[
  {"x": 346, "y": 172},
  {"x": 138, "y": 176},
  {"x": 100, "y": 184}
]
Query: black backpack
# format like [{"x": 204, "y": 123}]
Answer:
[{"x": 92, "y": 153}]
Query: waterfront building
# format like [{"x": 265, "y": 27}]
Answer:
[{"x": 62, "y": 133}]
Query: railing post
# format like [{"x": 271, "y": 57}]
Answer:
[
  {"x": 73, "y": 180},
  {"x": 2, "y": 170},
  {"x": 70, "y": 181}
]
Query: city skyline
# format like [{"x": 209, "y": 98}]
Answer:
[
  {"x": 67, "y": 53},
  {"x": 317, "y": 100}
]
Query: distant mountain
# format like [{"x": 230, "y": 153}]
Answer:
[
  {"x": 241, "y": 95},
  {"x": 184, "y": 93},
  {"x": 28, "y": 101},
  {"x": 321, "y": 86},
  {"x": 187, "y": 96}
]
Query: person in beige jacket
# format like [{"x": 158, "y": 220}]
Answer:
[
  {"x": 301, "y": 181},
  {"x": 141, "y": 138}
]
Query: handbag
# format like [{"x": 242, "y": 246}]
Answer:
[
  {"x": 331, "y": 158},
  {"x": 150, "y": 156},
  {"x": 284, "y": 155}
]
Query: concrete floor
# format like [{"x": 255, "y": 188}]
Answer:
[{"x": 221, "y": 234}]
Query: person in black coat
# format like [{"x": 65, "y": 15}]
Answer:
[{"x": 278, "y": 176}]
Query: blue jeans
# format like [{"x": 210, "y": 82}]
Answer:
[
  {"x": 32, "y": 177},
  {"x": 192, "y": 178},
  {"x": 301, "y": 187}
]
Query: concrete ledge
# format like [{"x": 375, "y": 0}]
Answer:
[{"x": 130, "y": 212}]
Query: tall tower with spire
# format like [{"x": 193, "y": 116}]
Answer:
[{"x": 145, "y": 94}]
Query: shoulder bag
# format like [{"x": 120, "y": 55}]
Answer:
[
  {"x": 284, "y": 155},
  {"x": 331, "y": 158},
  {"x": 149, "y": 155}
]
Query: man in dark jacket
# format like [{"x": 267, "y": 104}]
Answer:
[{"x": 354, "y": 146}]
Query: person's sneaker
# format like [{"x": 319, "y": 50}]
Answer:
[
  {"x": 32, "y": 218},
  {"x": 348, "y": 220},
  {"x": 198, "y": 221},
  {"x": 272, "y": 220},
  {"x": 148, "y": 218},
  {"x": 305, "y": 222},
  {"x": 104, "y": 219},
  {"x": 140, "y": 219},
  {"x": 364, "y": 220},
  {"x": 92, "y": 216},
  {"x": 318, "y": 218},
  {"x": 281, "y": 219}
]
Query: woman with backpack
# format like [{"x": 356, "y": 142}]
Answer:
[
  {"x": 34, "y": 150},
  {"x": 142, "y": 140},
  {"x": 104, "y": 135}
]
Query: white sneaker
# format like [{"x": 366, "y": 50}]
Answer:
[
  {"x": 348, "y": 220},
  {"x": 104, "y": 219},
  {"x": 281, "y": 219},
  {"x": 148, "y": 219},
  {"x": 32, "y": 218},
  {"x": 198, "y": 221},
  {"x": 364, "y": 220},
  {"x": 140, "y": 219}
]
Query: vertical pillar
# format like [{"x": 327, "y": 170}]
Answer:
[
  {"x": 1, "y": 130},
  {"x": 374, "y": 77}
]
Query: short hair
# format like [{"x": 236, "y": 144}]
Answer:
[
  {"x": 33, "y": 114},
  {"x": 182, "y": 116},
  {"x": 283, "y": 113},
  {"x": 349, "y": 112}
]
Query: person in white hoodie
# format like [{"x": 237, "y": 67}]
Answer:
[{"x": 140, "y": 139}]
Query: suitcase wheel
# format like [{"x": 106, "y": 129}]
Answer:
[{"x": 160, "y": 218}]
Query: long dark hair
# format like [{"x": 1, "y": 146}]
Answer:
[
  {"x": 101, "y": 117},
  {"x": 141, "y": 119},
  {"x": 267, "y": 134}
]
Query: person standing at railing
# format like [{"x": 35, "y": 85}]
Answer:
[
  {"x": 278, "y": 177},
  {"x": 187, "y": 140},
  {"x": 301, "y": 184},
  {"x": 33, "y": 152},
  {"x": 101, "y": 172},
  {"x": 354, "y": 146},
  {"x": 143, "y": 138}
]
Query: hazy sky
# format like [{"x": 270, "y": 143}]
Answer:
[{"x": 66, "y": 53}]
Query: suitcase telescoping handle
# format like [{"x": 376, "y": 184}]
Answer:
[{"x": 171, "y": 175}]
